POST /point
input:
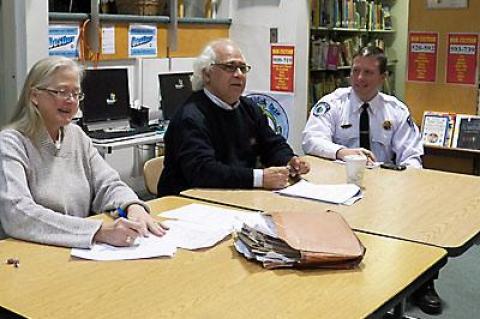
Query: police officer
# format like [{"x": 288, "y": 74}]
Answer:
[
  {"x": 361, "y": 120},
  {"x": 334, "y": 128}
]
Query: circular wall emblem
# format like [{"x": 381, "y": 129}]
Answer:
[{"x": 277, "y": 117}]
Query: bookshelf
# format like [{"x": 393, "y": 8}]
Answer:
[{"x": 339, "y": 28}]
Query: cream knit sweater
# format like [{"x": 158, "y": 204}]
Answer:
[{"x": 46, "y": 192}]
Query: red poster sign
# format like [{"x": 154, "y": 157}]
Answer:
[
  {"x": 422, "y": 56},
  {"x": 282, "y": 68},
  {"x": 462, "y": 58}
]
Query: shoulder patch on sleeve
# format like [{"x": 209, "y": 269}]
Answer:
[{"x": 320, "y": 108}]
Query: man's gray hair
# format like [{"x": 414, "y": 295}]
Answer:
[{"x": 205, "y": 60}]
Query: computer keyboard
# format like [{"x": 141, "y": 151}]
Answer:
[{"x": 114, "y": 135}]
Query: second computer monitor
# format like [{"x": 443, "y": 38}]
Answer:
[
  {"x": 175, "y": 88},
  {"x": 106, "y": 95}
]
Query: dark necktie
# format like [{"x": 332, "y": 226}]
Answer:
[{"x": 364, "y": 127}]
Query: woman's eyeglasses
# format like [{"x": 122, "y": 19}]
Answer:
[
  {"x": 64, "y": 94},
  {"x": 232, "y": 68}
]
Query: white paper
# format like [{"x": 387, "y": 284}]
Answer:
[
  {"x": 196, "y": 226},
  {"x": 189, "y": 235},
  {"x": 108, "y": 39},
  {"x": 243, "y": 249},
  {"x": 213, "y": 216},
  {"x": 146, "y": 247},
  {"x": 337, "y": 193}
]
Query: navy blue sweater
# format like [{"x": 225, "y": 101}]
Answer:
[{"x": 207, "y": 146}]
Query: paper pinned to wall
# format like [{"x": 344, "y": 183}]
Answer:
[
  {"x": 108, "y": 39},
  {"x": 444, "y": 4}
]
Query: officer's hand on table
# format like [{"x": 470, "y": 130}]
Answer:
[
  {"x": 341, "y": 153},
  {"x": 275, "y": 177}
]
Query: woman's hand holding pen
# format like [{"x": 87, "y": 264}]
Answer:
[
  {"x": 121, "y": 232},
  {"x": 137, "y": 213}
]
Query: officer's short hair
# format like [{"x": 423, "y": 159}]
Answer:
[{"x": 375, "y": 52}]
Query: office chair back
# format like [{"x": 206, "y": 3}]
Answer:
[{"x": 151, "y": 173}]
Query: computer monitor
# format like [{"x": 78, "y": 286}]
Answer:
[
  {"x": 175, "y": 88},
  {"x": 107, "y": 97}
]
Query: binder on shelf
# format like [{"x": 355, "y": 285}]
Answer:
[
  {"x": 316, "y": 13},
  {"x": 467, "y": 132},
  {"x": 437, "y": 128}
]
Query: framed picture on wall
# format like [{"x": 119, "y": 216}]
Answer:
[{"x": 447, "y": 4}]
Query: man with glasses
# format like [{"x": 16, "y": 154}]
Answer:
[{"x": 218, "y": 138}]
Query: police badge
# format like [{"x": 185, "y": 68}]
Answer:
[{"x": 387, "y": 125}]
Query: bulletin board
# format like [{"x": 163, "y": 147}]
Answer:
[{"x": 438, "y": 95}]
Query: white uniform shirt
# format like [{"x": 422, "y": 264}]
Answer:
[{"x": 334, "y": 124}]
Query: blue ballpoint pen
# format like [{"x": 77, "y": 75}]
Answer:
[{"x": 121, "y": 212}]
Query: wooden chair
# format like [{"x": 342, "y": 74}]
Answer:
[{"x": 151, "y": 173}]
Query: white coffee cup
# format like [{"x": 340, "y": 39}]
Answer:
[{"x": 355, "y": 165}]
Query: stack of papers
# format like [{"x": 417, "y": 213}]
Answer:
[
  {"x": 195, "y": 226},
  {"x": 345, "y": 194},
  {"x": 265, "y": 248},
  {"x": 301, "y": 239}
]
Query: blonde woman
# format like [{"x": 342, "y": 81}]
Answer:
[{"x": 51, "y": 176}]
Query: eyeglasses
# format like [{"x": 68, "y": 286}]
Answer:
[
  {"x": 63, "y": 94},
  {"x": 232, "y": 68}
]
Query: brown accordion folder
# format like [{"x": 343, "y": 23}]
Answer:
[
  {"x": 323, "y": 239},
  {"x": 304, "y": 239}
]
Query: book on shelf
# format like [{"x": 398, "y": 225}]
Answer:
[
  {"x": 326, "y": 84},
  {"x": 316, "y": 13},
  {"x": 333, "y": 56},
  {"x": 478, "y": 102},
  {"x": 437, "y": 128},
  {"x": 319, "y": 52},
  {"x": 379, "y": 43},
  {"x": 467, "y": 132},
  {"x": 352, "y": 14},
  {"x": 329, "y": 55},
  {"x": 361, "y": 9},
  {"x": 387, "y": 18}
]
